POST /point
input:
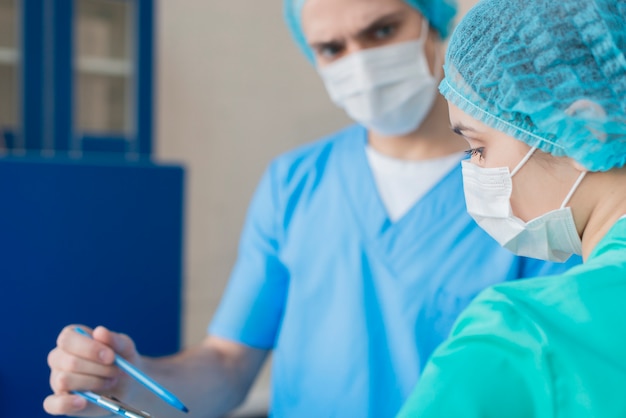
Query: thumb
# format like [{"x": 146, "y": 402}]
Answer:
[{"x": 122, "y": 344}]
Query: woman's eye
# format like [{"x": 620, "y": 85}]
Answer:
[{"x": 473, "y": 152}]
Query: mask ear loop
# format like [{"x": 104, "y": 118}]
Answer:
[
  {"x": 526, "y": 158},
  {"x": 438, "y": 58},
  {"x": 574, "y": 187},
  {"x": 424, "y": 32}
]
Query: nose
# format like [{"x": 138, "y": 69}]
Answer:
[{"x": 353, "y": 46}]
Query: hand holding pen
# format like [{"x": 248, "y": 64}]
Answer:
[
  {"x": 139, "y": 376},
  {"x": 76, "y": 363}
]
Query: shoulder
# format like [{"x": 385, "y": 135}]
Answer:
[
  {"x": 298, "y": 172},
  {"x": 493, "y": 364},
  {"x": 504, "y": 313},
  {"x": 314, "y": 158},
  {"x": 478, "y": 378},
  {"x": 312, "y": 152}
]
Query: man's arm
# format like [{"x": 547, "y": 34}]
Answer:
[{"x": 210, "y": 378}]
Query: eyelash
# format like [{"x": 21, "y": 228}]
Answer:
[
  {"x": 380, "y": 33},
  {"x": 472, "y": 152},
  {"x": 385, "y": 31},
  {"x": 330, "y": 51}
]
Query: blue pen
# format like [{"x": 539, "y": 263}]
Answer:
[{"x": 139, "y": 376}]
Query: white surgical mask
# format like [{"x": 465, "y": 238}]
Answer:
[
  {"x": 388, "y": 89},
  {"x": 551, "y": 236}
]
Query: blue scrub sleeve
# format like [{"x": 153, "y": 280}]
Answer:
[{"x": 251, "y": 308}]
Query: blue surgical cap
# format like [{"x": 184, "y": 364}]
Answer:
[
  {"x": 551, "y": 73},
  {"x": 439, "y": 13}
]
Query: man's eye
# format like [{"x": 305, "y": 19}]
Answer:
[
  {"x": 329, "y": 51},
  {"x": 384, "y": 32},
  {"x": 473, "y": 152}
]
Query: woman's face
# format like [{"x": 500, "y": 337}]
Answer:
[
  {"x": 337, "y": 28},
  {"x": 541, "y": 184}
]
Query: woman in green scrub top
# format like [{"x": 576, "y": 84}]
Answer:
[{"x": 538, "y": 90}]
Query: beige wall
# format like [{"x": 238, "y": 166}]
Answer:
[
  {"x": 233, "y": 91},
  {"x": 465, "y": 5}
]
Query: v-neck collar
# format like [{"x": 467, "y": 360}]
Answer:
[
  {"x": 360, "y": 187},
  {"x": 358, "y": 183}
]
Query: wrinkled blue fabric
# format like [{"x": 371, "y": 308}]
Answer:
[
  {"x": 439, "y": 13},
  {"x": 549, "y": 73},
  {"x": 350, "y": 303}
]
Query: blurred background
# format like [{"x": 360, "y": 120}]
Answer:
[{"x": 132, "y": 136}]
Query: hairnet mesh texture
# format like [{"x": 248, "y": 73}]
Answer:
[{"x": 549, "y": 73}]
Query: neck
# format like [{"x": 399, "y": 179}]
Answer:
[
  {"x": 433, "y": 139},
  {"x": 603, "y": 202}
]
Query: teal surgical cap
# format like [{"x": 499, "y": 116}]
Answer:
[
  {"x": 439, "y": 13},
  {"x": 551, "y": 73}
]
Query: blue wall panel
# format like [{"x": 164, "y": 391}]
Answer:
[
  {"x": 144, "y": 89},
  {"x": 60, "y": 56},
  {"x": 32, "y": 80},
  {"x": 94, "y": 243}
]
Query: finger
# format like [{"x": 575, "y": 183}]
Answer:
[
  {"x": 62, "y": 382},
  {"x": 68, "y": 404},
  {"x": 75, "y": 405},
  {"x": 64, "y": 404},
  {"x": 60, "y": 360},
  {"x": 122, "y": 344},
  {"x": 84, "y": 347}
]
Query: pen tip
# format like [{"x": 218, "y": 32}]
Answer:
[{"x": 185, "y": 410}]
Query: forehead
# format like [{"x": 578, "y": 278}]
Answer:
[
  {"x": 457, "y": 116},
  {"x": 469, "y": 125},
  {"x": 327, "y": 19},
  {"x": 478, "y": 130}
]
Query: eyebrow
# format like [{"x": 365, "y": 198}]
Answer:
[
  {"x": 459, "y": 128},
  {"x": 379, "y": 21}
]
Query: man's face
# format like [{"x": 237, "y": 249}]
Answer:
[{"x": 337, "y": 28}]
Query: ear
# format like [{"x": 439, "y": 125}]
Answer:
[{"x": 577, "y": 166}]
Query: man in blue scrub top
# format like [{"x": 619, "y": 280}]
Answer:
[{"x": 357, "y": 254}]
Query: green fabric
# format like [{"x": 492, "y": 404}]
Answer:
[{"x": 547, "y": 347}]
